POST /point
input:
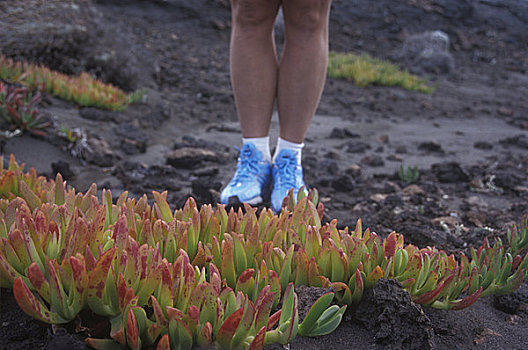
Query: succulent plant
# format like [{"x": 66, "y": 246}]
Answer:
[
  {"x": 82, "y": 90},
  {"x": 206, "y": 276},
  {"x": 18, "y": 109},
  {"x": 64, "y": 290}
]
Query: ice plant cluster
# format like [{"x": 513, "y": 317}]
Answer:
[
  {"x": 18, "y": 109},
  {"x": 203, "y": 276},
  {"x": 82, "y": 90}
]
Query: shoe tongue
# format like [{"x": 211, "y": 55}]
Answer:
[
  {"x": 286, "y": 161},
  {"x": 286, "y": 156},
  {"x": 247, "y": 151}
]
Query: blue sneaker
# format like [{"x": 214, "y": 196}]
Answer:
[
  {"x": 287, "y": 173},
  {"x": 251, "y": 181}
]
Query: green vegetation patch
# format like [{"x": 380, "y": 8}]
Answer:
[
  {"x": 83, "y": 90},
  {"x": 365, "y": 70}
]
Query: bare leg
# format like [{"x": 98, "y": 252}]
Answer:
[
  {"x": 254, "y": 63},
  {"x": 303, "y": 66}
]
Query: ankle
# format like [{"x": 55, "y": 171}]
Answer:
[
  {"x": 260, "y": 143},
  {"x": 295, "y": 147}
]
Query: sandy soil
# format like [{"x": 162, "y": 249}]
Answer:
[{"x": 468, "y": 139}]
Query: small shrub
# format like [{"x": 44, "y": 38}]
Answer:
[
  {"x": 364, "y": 70},
  {"x": 68, "y": 134},
  {"x": 410, "y": 175}
]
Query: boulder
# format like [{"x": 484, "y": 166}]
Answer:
[
  {"x": 190, "y": 158},
  {"x": 427, "y": 52},
  {"x": 393, "y": 319}
]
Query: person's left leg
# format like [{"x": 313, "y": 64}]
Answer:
[
  {"x": 302, "y": 74},
  {"x": 303, "y": 65}
]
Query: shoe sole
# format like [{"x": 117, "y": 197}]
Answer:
[{"x": 233, "y": 200}]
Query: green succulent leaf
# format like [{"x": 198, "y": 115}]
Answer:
[
  {"x": 180, "y": 337},
  {"x": 33, "y": 305},
  {"x": 317, "y": 309},
  {"x": 104, "y": 344},
  {"x": 329, "y": 321}
]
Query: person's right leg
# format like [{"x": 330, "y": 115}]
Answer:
[
  {"x": 254, "y": 78},
  {"x": 254, "y": 65}
]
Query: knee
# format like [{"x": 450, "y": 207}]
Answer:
[
  {"x": 307, "y": 16},
  {"x": 252, "y": 15}
]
